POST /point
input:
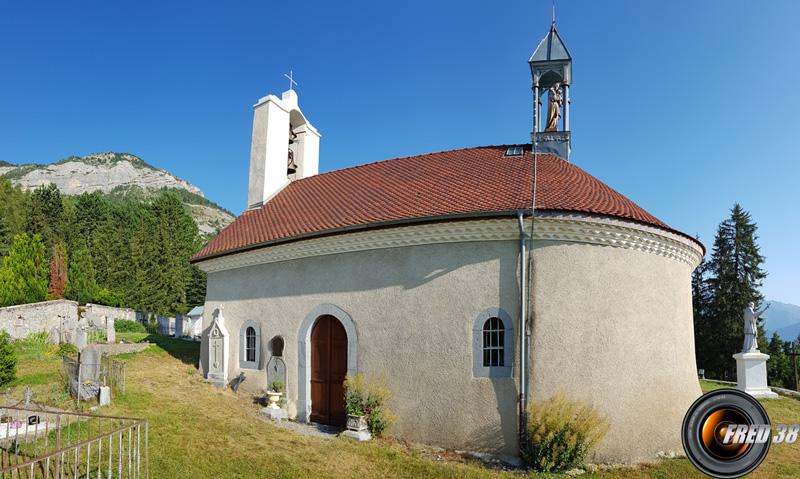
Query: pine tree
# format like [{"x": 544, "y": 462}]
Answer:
[
  {"x": 13, "y": 208},
  {"x": 779, "y": 366},
  {"x": 82, "y": 286},
  {"x": 5, "y": 237},
  {"x": 23, "y": 276},
  {"x": 46, "y": 214},
  {"x": 734, "y": 278}
]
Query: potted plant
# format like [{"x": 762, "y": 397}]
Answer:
[
  {"x": 274, "y": 393},
  {"x": 354, "y": 403}
]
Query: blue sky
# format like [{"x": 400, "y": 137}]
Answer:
[{"x": 685, "y": 107}]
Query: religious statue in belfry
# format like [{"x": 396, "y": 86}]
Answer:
[
  {"x": 751, "y": 327},
  {"x": 555, "y": 101}
]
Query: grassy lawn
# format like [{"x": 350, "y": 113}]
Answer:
[{"x": 197, "y": 431}]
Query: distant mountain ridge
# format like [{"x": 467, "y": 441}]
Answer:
[
  {"x": 784, "y": 319},
  {"x": 117, "y": 173}
]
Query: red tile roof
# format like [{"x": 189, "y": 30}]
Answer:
[{"x": 473, "y": 181}]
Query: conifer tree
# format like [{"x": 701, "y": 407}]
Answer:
[
  {"x": 23, "y": 275},
  {"x": 13, "y": 208},
  {"x": 779, "y": 366},
  {"x": 5, "y": 237},
  {"x": 45, "y": 214},
  {"x": 82, "y": 286},
  {"x": 734, "y": 278}
]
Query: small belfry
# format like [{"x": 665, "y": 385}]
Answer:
[
  {"x": 285, "y": 146},
  {"x": 551, "y": 72}
]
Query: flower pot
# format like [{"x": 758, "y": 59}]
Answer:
[
  {"x": 356, "y": 423},
  {"x": 274, "y": 397}
]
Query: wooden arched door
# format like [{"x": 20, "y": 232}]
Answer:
[{"x": 328, "y": 370}]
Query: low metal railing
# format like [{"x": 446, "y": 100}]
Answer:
[{"x": 39, "y": 443}]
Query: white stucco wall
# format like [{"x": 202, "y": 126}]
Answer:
[
  {"x": 612, "y": 326},
  {"x": 410, "y": 329}
]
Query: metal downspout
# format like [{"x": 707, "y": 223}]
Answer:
[{"x": 523, "y": 310}]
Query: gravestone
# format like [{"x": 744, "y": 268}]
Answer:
[
  {"x": 105, "y": 395},
  {"x": 178, "y": 325},
  {"x": 111, "y": 332},
  {"x": 276, "y": 369},
  {"x": 218, "y": 344},
  {"x": 81, "y": 338}
]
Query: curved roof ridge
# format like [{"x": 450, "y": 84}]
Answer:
[
  {"x": 476, "y": 181},
  {"x": 353, "y": 167}
]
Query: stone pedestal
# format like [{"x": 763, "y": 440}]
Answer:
[
  {"x": 357, "y": 435},
  {"x": 105, "y": 395},
  {"x": 751, "y": 374},
  {"x": 275, "y": 414}
]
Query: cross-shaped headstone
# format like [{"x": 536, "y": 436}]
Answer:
[{"x": 292, "y": 83}]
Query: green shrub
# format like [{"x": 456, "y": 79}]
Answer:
[
  {"x": 128, "y": 326},
  {"x": 368, "y": 398},
  {"x": 561, "y": 433},
  {"x": 35, "y": 346},
  {"x": 67, "y": 349},
  {"x": 8, "y": 359},
  {"x": 354, "y": 395},
  {"x": 108, "y": 298},
  {"x": 97, "y": 336},
  {"x": 276, "y": 386}
]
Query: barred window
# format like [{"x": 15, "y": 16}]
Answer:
[
  {"x": 493, "y": 343},
  {"x": 250, "y": 344}
]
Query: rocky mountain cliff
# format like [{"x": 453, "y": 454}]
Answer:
[{"x": 117, "y": 173}]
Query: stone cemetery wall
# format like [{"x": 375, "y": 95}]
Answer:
[
  {"x": 58, "y": 318},
  {"x": 110, "y": 312}
]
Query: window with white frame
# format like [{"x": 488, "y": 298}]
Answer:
[
  {"x": 249, "y": 345},
  {"x": 492, "y": 344}
]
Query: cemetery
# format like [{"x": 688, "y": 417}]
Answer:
[{"x": 163, "y": 384}]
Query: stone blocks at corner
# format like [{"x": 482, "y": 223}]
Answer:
[
  {"x": 275, "y": 414},
  {"x": 751, "y": 374},
  {"x": 357, "y": 435}
]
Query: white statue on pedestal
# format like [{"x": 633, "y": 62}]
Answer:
[
  {"x": 751, "y": 327},
  {"x": 751, "y": 364}
]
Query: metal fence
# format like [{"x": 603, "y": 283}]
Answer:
[
  {"x": 86, "y": 374},
  {"x": 112, "y": 374},
  {"x": 36, "y": 443}
]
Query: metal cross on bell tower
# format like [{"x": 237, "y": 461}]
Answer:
[{"x": 290, "y": 76}]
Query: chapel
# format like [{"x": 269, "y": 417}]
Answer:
[{"x": 474, "y": 281}]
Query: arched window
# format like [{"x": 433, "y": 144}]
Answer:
[
  {"x": 249, "y": 345},
  {"x": 493, "y": 343}
]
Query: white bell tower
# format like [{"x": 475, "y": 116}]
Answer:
[{"x": 285, "y": 146}]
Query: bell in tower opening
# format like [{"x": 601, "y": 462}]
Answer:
[
  {"x": 291, "y": 166},
  {"x": 551, "y": 72}
]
